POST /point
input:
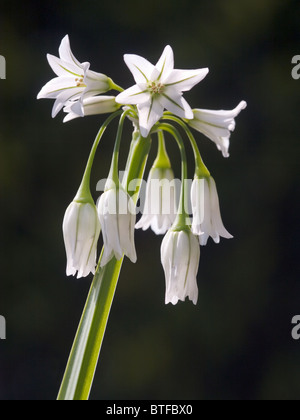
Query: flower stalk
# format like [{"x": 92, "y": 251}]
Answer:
[{"x": 83, "y": 359}]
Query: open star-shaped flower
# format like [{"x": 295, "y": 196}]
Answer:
[
  {"x": 159, "y": 87},
  {"x": 74, "y": 82}
]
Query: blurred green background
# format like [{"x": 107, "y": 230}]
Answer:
[{"x": 236, "y": 343}]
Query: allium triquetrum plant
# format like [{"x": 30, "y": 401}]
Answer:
[{"x": 154, "y": 106}]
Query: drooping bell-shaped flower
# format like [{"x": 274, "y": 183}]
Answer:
[
  {"x": 74, "y": 82},
  {"x": 160, "y": 207},
  {"x": 158, "y": 87},
  {"x": 160, "y": 211},
  {"x": 117, "y": 216},
  {"x": 81, "y": 230},
  {"x": 207, "y": 221},
  {"x": 180, "y": 255},
  {"x": 217, "y": 125}
]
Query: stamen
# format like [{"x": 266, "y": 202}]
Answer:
[
  {"x": 79, "y": 82},
  {"x": 155, "y": 87}
]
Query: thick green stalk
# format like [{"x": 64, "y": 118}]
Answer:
[{"x": 83, "y": 359}]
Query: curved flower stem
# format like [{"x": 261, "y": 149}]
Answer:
[
  {"x": 84, "y": 193},
  {"x": 182, "y": 216},
  {"x": 83, "y": 359},
  {"x": 201, "y": 170},
  {"x": 114, "y": 169},
  {"x": 114, "y": 86}
]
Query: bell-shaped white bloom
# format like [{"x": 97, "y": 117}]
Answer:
[
  {"x": 217, "y": 125},
  {"x": 75, "y": 80},
  {"x": 207, "y": 221},
  {"x": 117, "y": 216},
  {"x": 91, "y": 106},
  {"x": 81, "y": 230},
  {"x": 180, "y": 256},
  {"x": 160, "y": 207},
  {"x": 159, "y": 87}
]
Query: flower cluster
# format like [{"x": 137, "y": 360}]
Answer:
[{"x": 152, "y": 104}]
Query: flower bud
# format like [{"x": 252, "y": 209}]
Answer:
[
  {"x": 207, "y": 219},
  {"x": 180, "y": 255},
  {"x": 81, "y": 230},
  {"x": 117, "y": 218},
  {"x": 159, "y": 212},
  {"x": 90, "y": 106}
]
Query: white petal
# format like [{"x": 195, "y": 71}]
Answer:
[
  {"x": 191, "y": 283},
  {"x": 126, "y": 225},
  {"x": 217, "y": 125},
  {"x": 133, "y": 96},
  {"x": 91, "y": 106},
  {"x": 63, "y": 68},
  {"x": 55, "y": 86},
  {"x": 165, "y": 64},
  {"x": 70, "y": 116},
  {"x": 109, "y": 225},
  {"x": 219, "y": 119},
  {"x": 95, "y": 82},
  {"x": 159, "y": 209},
  {"x": 66, "y": 54},
  {"x": 144, "y": 222},
  {"x": 63, "y": 98},
  {"x": 175, "y": 103},
  {"x": 197, "y": 201},
  {"x": 140, "y": 68},
  {"x": 206, "y": 226},
  {"x": 76, "y": 108},
  {"x": 184, "y": 80},
  {"x": 149, "y": 113},
  {"x": 217, "y": 219},
  {"x": 81, "y": 229}
]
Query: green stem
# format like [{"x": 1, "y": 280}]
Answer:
[
  {"x": 83, "y": 359},
  {"x": 182, "y": 216},
  {"x": 84, "y": 194},
  {"x": 162, "y": 160},
  {"x": 201, "y": 170},
  {"x": 114, "y": 169},
  {"x": 114, "y": 86}
]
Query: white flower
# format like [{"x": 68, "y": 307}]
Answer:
[
  {"x": 74, "y": 82},
  {"x": 91, "y": 106},
  {"x": 180, "y": 255},
  {"x": 81, "y": 230},
  {"x": 217, "y": 125},
  {"x": 159, "y": 87},
  {"x": 117, "y": 216},
  {"x": 207, "y": 219},
  {"x": 159, "y": 211}
]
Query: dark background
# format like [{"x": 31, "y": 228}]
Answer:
[{"x": 236, "y": 343}]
